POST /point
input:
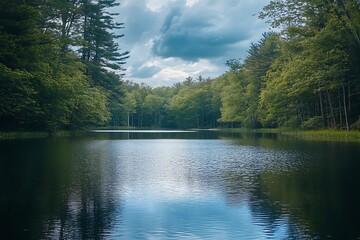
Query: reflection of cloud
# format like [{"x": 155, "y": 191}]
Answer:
[
  {"x": 163, "y": 176},
  {"x": 207, "y": 218},
  {"x": 174, "y": 189},
  {"x": 169, "y": 190}
]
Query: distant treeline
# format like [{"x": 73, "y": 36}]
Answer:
[{"x": 55, "y": 60}]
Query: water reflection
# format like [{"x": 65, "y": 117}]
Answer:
[
  {"x": 178, "y": 185},
  {"x": 54, "y": 190},
  {"x": 325, "y": 196}
]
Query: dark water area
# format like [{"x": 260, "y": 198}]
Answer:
[{"x": 179, "y": 185}]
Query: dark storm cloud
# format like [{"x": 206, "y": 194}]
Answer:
[
  {"x": 140, "y": 22},
  {"x": 206, "y": 30}
]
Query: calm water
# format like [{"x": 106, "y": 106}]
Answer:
[{"x": 179, "y": 185}]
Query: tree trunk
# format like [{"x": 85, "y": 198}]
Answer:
[
  {"x": 298, "y": 107},
  {"x": 322, "y": 109},
  {"x": 345, "y": 109},
  {"x": 349, "y": 100},
  {"x": 340, "y": 111},
  {"x": 85, "y": 38},
  {"x": 331, "y": 108},
  {"x": 128, "y": 119}
]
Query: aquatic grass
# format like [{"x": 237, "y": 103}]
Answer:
[
  {"x": 324, "y": 134},
  {"x": 22, "y": 135},
  {"x": 39, "y": 134}
]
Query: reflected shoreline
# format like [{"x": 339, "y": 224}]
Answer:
[{"x": 143, "y": 131}]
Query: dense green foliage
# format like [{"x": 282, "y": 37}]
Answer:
[
  {"x": 190, "y": 104},
  {"x": 314, "y": 82},
  {"x": 56, "y": 61}
]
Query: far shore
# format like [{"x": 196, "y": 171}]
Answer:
[{"x": 323, "y": 134}]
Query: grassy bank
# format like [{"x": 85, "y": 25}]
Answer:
[
  {"x": 22, "y": 134},
  {"x": 61, "y": 133},
  {"x": 38, "y": 134},
  {"x": 325, "y": 134},
  {"x": 330, "y": 135}
]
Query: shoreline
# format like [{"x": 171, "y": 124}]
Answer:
[
  {"x": 324, "y": 134},
  {"x": 321, "y": 134}
]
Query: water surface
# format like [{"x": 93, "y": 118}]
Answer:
[{"x": 179, "y": 185}]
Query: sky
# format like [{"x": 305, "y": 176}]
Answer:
[{"x": 170, "y": 40}]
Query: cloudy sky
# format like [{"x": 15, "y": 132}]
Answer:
[{"x": 171, "y": 40}]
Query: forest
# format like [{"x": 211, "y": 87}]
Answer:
[{"x": 61, "y": 68}]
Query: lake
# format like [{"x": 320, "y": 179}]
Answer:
[{"x": 179, "y": 185}]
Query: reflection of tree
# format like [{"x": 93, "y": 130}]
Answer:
[
  {"x": 325, "y": 198},
  {"x": 156, "y": 135},
  {"x": 91, "y": 204},
  {"x": 320, "y": 199},
  {"x": 57, "y": 194},
  {"x": 29, "y": 187},
  {"x": 241, "y": 189},
  {"x": 237, "y": 188}
]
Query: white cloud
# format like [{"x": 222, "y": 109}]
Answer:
[
  {"x": 190, "y": 3},
  {"x": 173, "y": 70},
  {"x": 159, "y": 5},
  {"x": 155, "y": 5},
  {"x": 171, "y": 74}
]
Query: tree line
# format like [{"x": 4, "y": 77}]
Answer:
[{"x": 60, "y": 68}]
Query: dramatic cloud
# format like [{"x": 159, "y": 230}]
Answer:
[
  {"x": 202, "y": 31},
  {"x": 170, "y": 40}
]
